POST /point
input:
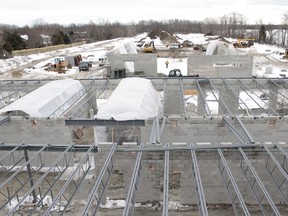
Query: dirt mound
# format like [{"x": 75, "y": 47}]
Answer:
[
  {"x": 163, "y": 35},
  {"x": 154, "y": 34}
]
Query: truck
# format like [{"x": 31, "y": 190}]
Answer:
[{"x": 177, "y": 73}]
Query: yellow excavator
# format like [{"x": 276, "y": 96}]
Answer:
[{"x": 149, "y": 47}]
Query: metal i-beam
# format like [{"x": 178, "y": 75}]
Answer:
[
  {"x": 95, "y": 196},
  {"x": 182, "y": 95},
  {"x": 236, "y": 132},
  {"x": 130, "y": 199},
  {"x": 253, "y": 181},
  {"x": 246, "y": 132},
  {"x": 81, "y": 170},
  {"x": 5, "y": 119},
  {"x": 198, "y": 185},
  {"x": 99, "y": 122},
  {"x": 235, "y": 196},
  {"x": 165, "y": 207},
  {"x": 49, "y": 147},
  {"x": 281, "y": 180},
  {"x": 156, "y": 131},
  {"x": 203, "y": 99}
]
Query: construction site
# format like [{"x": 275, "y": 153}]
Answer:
[{"x": 141, "y": 143}]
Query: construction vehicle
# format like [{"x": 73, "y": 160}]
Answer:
[
  {"x": 244, "y": 42},
  {"x": 149, "y": 47},
  {"x": 177, "y": 73},
  {"x": 285, "y": 54}
]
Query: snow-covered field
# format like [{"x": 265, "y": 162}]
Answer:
[{"x": 268, "y": 61}]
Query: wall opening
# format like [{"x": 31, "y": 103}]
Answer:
[{"x": 129, "y": 66}]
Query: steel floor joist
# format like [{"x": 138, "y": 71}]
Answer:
[
  {"x": 96, "y": 194},
  {"x": 61, "y": 165},
  {"x": 16, "y": 159}
]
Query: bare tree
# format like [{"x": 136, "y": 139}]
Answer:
[{"x": 285, "y": 30}]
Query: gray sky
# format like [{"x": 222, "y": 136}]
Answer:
[{"x": 19, "y": 12}]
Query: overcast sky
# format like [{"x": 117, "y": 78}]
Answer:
[{"x": 26, "y": 12}]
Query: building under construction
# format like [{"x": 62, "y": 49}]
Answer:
[{"x": 60, "y": 154}]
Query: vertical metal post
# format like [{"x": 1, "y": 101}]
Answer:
[
  {"x": 30, "y": 175},
  {"x": 96, "y": 141}
]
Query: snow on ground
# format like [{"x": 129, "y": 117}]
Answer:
[
  {"x": 268, "y": 60},
  {"x": 264, "y": 56}
]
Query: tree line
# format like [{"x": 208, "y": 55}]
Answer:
[{"x": 233, "y": 25}]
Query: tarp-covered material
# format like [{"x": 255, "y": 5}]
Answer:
[
  {"x": 133, "y": 99},
  {"x": 220, "y": 48},
  {"x": 45, "y": 100}
]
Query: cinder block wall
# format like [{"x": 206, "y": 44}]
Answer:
[
  {"x": 213, "y": 130},
  {"x": 146, "y": 63},
  {"x": 151, "y": 178},
  {"x": 217, "y": 66},
  {"x": 35, "y": 131}
]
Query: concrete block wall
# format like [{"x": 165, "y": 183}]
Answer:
[
  {"x": 218, "y": 66},
  {"x": 146, "y": 63},
  {"x": 213, "y": 130},
  {"x": 174, "y": 101},
  {"x": 151, "y": 177},
  {"x": 35, "y": 131}
]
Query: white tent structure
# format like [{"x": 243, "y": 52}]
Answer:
[
  {"x": 46, "y": 100},
  {"x": 133, "y": 99}
]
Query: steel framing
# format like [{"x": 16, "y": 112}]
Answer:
[
  {"x": 99, "y": 188},
  {"x": 202, "y": 206},
  {"x": 130, "y": 200},
  {"x": 16, "y": 159},
  {"x": 165, "y": 206}
]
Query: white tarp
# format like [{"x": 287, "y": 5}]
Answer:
[
  {"x": 133, "y": 99},
  {"x": 220, "y": 48},
  {"x": 45, "y": 100}
]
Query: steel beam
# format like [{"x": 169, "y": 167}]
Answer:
[
  {"x": 280, "y": 180},
  {"x": 130, "y": 199},
  {"x": 165, "y": 207},
  {"x": 236, "y": 132},
  {"x": 221, "y": 101},
  {"x": 39, "y": 199},
  {"x": 198, "y": 185},
  {"x": 80, "y": 172},
  {"x": 203, "y": 99},
  {"x": 99, "y": 122},
  {"x": 235, "y": 196},
  {"x": 95, "y": 196},
  {"x": 22, "y": 182},
  {"x": 49, "y": 147},
  {"x": 254, "y": 181}
]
